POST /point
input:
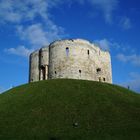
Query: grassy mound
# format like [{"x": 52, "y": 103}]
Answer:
[{"x": 69, "y": 110}]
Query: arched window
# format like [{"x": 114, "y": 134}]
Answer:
[{"x": 67, "y": 51}]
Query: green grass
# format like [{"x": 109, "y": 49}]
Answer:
[{"x": 48, "y": 110}]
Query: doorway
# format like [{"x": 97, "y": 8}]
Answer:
[{"x": 43, "y": 73}]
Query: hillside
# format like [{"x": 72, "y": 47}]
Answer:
[{"x": 69, "y": 110}]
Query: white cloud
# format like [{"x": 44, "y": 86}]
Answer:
[
  {"x": 34, "y": 34},
  {"x": 125, "y": 23},
  {"x": 134, "y": 59},
  {"x": 38, "y": 36},
  {"x": 45, "y": 31},
  {"x": 20, "y": 51},
  {"x": 18, "y": 11}
]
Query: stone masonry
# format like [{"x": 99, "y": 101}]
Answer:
[{"x": 71, "y": 59}]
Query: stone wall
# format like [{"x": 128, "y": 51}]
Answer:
[
  {"x": 44, "y": 62},
  {"x": 34, "y": 67},
  {"x": 75, "y": 59}
]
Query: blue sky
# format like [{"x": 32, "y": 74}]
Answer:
[{"x": 27, "y": 25}]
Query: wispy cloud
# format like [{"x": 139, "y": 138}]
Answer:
[
  {"x": 107, "y": 7},
  {"x": 39, "y": 33},
  {"x": 125, "y": 23},
  {"x": 108, "y": 45},
  {"x": 35, "y": 34},
  {"x": 133, "y": 59},
  {"x": 20, "y": 51},
  {"x": 17, "y": 11},
  {"x": 103, "y": 44}
]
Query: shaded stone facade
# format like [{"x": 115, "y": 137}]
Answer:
[{"x": 73, "y": 59}]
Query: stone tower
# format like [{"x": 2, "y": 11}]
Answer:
[{"x": 73, "y": 59}]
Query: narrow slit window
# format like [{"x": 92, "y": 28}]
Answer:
[
  {"x": 88, "y": 52},
  {"x": 55, "y": 72},
  {"x": 67, "y": 51},
  {"x": 80, "y": 71},
  {"x": 104, "y": 79}
]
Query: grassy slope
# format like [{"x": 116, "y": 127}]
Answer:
[{"x": 48, "y": 109}]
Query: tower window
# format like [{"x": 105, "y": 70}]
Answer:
[
  {"x": 104, "y": 79},
  {"x": 80, "y": 71},
  {"x": 55, "y": 72},
  {"x": 88, "y": 52},
  {"x": 67, "y": 51},
  {"x": 98, "y": 70}
]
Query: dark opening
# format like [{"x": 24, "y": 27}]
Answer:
[
  {"x": 98, "y": 69},
  {"x": 75, "y": 124},
  {"x": 80, "y": 71},
  {"x": 55, "y": 72},
  {"x": 67, "y": 51},
  {"x": 88, "y": 52},
  {"x": 104, "y": 79},
  {"x": 43, "y": 72}
]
